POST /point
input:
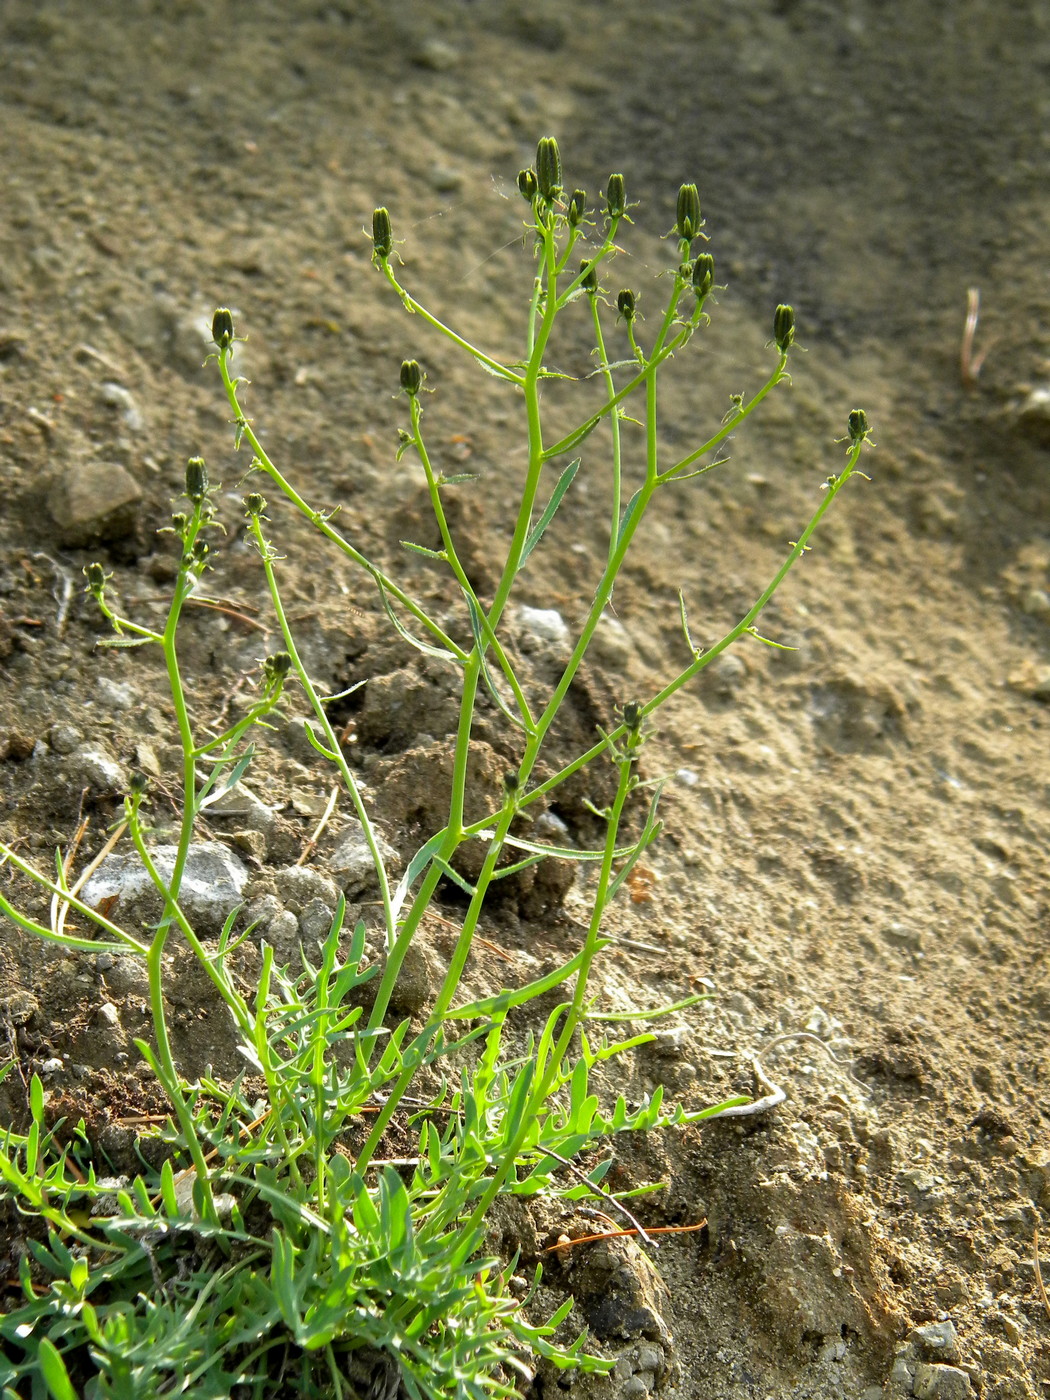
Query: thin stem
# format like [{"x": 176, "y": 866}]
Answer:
[{"x": 319, "y": 519}]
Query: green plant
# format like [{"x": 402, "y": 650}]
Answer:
[{"x": 261, "y": 1254}]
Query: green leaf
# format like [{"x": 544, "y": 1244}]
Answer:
[
  {"x": 425, "y": 647},
  {"x": 632, "y": 506},
  {"x": 480, "y": 642},
  {"x": 440, "y": 554},
  {"x": 53, "y": 1370},
  {"x": 536, "y": 533}
]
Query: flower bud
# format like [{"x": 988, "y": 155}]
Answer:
[
  {"x": 196, "y": 480},
  {"x": 615, "y": 197},
  {"x": 137, "y": 784},
  {"x": 200, "y": 551},
  {"x": 527, "y": 185},
  {"x": 382, "y": 235},
  {"x": 626, "y": 304},
  {"x": 858, "y": 425},
  {"x": 703, "y": 274},
  {"x": 590, "y": 277},
  {"x": 254, "y": 504},
  {"x": 548, "y": 169},
  {"x": 632, "y": 715},
  {"x": 276, "y": 667},
  {"x": 96, "y": 578},
  {"x": 784, "y": 328},
  {"x": 688, "y": 221},
  {"x": 577, "y": 208},
  {"x": 411, "y": 377},
  {"x": 222, "y": 328}
]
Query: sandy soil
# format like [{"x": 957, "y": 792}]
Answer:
[{"x": 856, "y": 839}]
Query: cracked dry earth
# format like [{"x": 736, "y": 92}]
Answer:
[{"x": 857, "y": 831}]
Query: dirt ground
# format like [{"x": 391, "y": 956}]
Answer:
[{"x": 857, "y": 832}]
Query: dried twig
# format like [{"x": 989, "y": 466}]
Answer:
[
  {"x": 308, "y": 849},
  {"x": 969, "y": 362},
  {"x": 621, "y": 1234}
]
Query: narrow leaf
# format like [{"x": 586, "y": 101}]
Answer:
[{"x": 564, "y": 482}]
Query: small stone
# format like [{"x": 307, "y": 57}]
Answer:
[
  {"x": 95, "y": 769},
  {"x": 444, "y": 180},
  {"x": 52, "y": 1066},
  {"x": 283, "y": 931},
  {"x": 611, "y": 643},
  {"x": 412, "y": 989},
  {"x": 263, "y": 911},
  {"x": 639, "y": 1384},
  {"x": 1036, "y": 603},
  {"x": 1033, "y": 414},
  {"x": 296, "y": 885},
  {"x": 20, "y": 1007},
  {"x": 315, "y": 922},
  {"x": 92, "y": 501},
  {"x": 241, "y": 804},
  {"x": 934, "y": 1382},
  {"x": 123, "y": 400},
  {"x": 351, "y": 861},
  {"x": 435, "y": 55},
  {"x": 545, "y": 624},
  {"x": 212, "y": 883},
  {"x": 650, "y": 1359},
  {"x": 147, "y": 760},
  {"x": 117, "y": 695},
  {"x": 108, "y": 1014},
  {"x": 64, "y": 738}
]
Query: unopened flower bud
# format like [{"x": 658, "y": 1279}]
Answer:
[
  {"x": 589, "y": 282},
  {"x": 200, "y": 551},
  {"x": 382, "y": 235},
  {"x": 632, "y": 715},
  {"x": 577, "y": 208},
  {"x": 688, "y": 221},
  {"x": 138, "y": 783},
  {"x": 222, "y": 328},
  {"x": 411, "y": 377},
  {"x": 626, "y": 304},
  {"x": 96, "y": 578},
  {"x": 254, "y": 504},
  {"x": 548, "y": 169},
  {"x": 703, "y": 274},
  {"x": 858, "y": 425},
  {"x": 527, "y": 185},
  {"x": 276, "y": 668},
  {"x": 784, "y": 328},
  {"x": 510, "y": 782},
  {"x": 196, "y": 480},
  {"x": 616, "y": 197}
]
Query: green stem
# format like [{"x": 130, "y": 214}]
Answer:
[
  {"x": 319, "y": 520},
  {"x": 335, "y": 752}
]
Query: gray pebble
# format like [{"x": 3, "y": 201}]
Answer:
[
  {"x": 315, "y": 922},
  {"x": 296, "y": 885},
  {"x": 121, "y": 398},
  {"x": 212, "y": 883},
  {"x": 283, "y": 932},
  {"x": 937, "y": 1339},
  {"x": 545, "y": 624},
  {"x": 108, "y": 1014},
  {"x": 64, "y": 738},
  {"x": 91, "y": 501},
  {"x": 941, "y": 1383},
  {"x": 351, "y": 861},
  {"x": 94, "y": 768}
]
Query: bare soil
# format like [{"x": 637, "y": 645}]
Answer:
[{"x": 856, "y": 839}]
